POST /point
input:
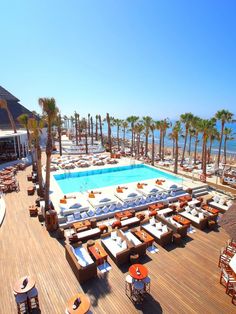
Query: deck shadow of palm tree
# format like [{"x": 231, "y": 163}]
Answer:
[
  {"x": 149, "y": 305},
  {"x": 97, "y": 288}
]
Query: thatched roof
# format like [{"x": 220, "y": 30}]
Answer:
[
  {"x": 228, "y": 221},
  {"x": 15, "y": 108}
]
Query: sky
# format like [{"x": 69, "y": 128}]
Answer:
[{"x": 126, "y": 57}]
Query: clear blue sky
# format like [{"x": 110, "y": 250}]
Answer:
[{"x": 158, "y": 58}]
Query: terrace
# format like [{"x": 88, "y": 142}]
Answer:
[{"x": 184, "y": 279}]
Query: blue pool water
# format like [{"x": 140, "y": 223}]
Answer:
[{"x": 94, "y": 179}]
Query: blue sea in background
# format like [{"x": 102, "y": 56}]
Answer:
[{"x": 231, "y": 145}]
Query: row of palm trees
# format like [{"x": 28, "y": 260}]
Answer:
[{"x": 190, "y": 127}]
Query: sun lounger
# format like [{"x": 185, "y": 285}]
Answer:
[{"x": 197, "y": 219}]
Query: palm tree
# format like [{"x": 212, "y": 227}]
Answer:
[
  {"x": 58, "y": 123},
  {"x": 228, "y": 136},
  {"x": 88, "y": 124},
  {"x": 147, "y": 120},
  {"x": 195, "y": 126},
  {"x": 3, "y": 105},
  {"x": 117, "y": 122},
  {"x": 132, "y": 120},
  {"x": 109, "y": 132},
  {"x": 138, "y": 129},
  {"x": 152, "y": 129},
  {"x": 158, "y": 127},
  {"x": 171, "y": 137},
  {"x": 91, "y": 124},
  {"x": 186, "y": 119},
  {"x": 205, "y": 126},
  {"x": 35, "y": 127},
  {"x": 50, "y": 110},
  {"x": 76, "y": 128},
  {"x": 176, "y": 130},
  {"x": 213, "y": 135},
  {"x": 96, "y": 127},
  {"x": 100, "y": 124},
  {"x": 191, "y": 135},
  {"x": 124, "y": 125},
  {"x": 23, "y": 120},
  {"x": 165, "y": 124},
  {"x": 223, "y": 116}
]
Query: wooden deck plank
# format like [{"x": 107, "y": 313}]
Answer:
[{"x": 184, "y": 279}]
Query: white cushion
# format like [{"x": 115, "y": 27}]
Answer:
[
  {"x": 98, "y": 210},
  {"x": 229, "y": 203},
  {"x": 91, "y": 212},
  {"x": 75, "y": 205},
  {"x": 84, "y": 215},
  {"x": 119, "y": 241},
  {"x": 77, "y": 215},
  {"x": 124, "y": 245},
  {"x": 216, "y": 198},
  {"x": 201, "y": 216},
  {"x": 70, "y": 218},
  {"x": 105, "y": 209},
  {"x": 187, "y": 209},
  {"x": 113, "y": 234},
  {"x": 159, "y": 225},
  {"x": 164, "y": 229},
  {"x": 152, "y": 221},
  {"x": 222, "y": 201},
  {"x": 194, "y": 212}
]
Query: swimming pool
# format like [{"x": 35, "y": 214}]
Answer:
[{"x": 94, "y": 179}]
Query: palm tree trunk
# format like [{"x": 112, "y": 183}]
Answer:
[
  {"x": 146, "y": 144},
  {"x": 88, "y": 124},
  {"x": 11, "y": 119},
  {"x": 132, "y": 139},
  {"x": 124, "y": 130},
  {"x": 160, "y": 143},
  {"x": 189, "y": 147},
  {"x": 86, "y": 137},
  {"x": 185, "y": 142},
  {"x": 225, "y": 146},
  {"x": 138, "y": 144},
  {"x": 39, "y": 168},
  {"x": 48, "y": 164},
  {"x": 195, "y": 149},
  {"x": 100, "y": 124},
  {"x": 204, "y": 157},
  {"x": 118, "y": 137},
  {"x": 96, "y": 130},
  {"x": 209, "y": 151},
  {"x": 76, "y": 129},
  {"x": 109, "y": 133},
  {"x": 91, "y": 119},
  {"x": 176, "y": 156},
  {"x": 153, "y": 148},
  {"x": 163, "y": 144},
  {"x": 220, "y": 144},
  {"x": 173, "y": 148}
]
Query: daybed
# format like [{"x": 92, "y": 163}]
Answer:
[
  {"x": 160, "y": 232},
  {"x": 81, "y": 262},
  {"x": 174, "y": 225},
  {"x": 197, "y": 218},
  {"x": 220, "y": 203},
  {"x": 117, "y": 246},
  {"x": 87, "y": 234},
  {"x": 137, "y": 247}
]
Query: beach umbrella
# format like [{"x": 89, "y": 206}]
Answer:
[{"x": 228, "y": 221}]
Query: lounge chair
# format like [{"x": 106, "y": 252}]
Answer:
[{"x": 197, "y": 218}]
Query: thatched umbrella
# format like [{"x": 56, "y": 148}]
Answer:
[{"x": 228, "y": 221}]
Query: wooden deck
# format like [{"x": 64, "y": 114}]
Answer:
[{"x": 184, "y": 280}]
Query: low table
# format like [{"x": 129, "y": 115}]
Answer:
[
  {"x": 210, "y": 209},
  {"x": 144, "y": 237},
  {"x": 183, "y": 221},
  {"x": 30, "y": 284},
  {"x": 83, "y": 307},
  {"x": 123, "y": 215},
  {"x": 98, "y": 252},
  {"x": 86, "y": 224}
]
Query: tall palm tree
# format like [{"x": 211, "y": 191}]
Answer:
[
  {"x": 3, "y": 105},
  {"x": 88, "y": 124},
  {"x": 228, "y": 136},
  {"x": 147, "y": 120},
  {"x": 213, "y": 135},
  {"x": 50, "y": 110},
  {"x": 158, "y": 127},
  {"x": 76, "y": 128},
  {"x": 35, "y": 128},
  {"x": 138, "y": 129},
  {"x": 109, "y": 132},
  {"x": 171, "y": 137},
  {"x": 223, "y": 116},
  {"x": 176, "y": 130},
  {"x": 58, "y": 123},
  {"x": 124, "y": 125},
  {"x": 117, "y": 122},
  {"x": 165, "y": 124},
  {"x": 91, "y": 124},
  {"x": 195, "y": 126},
  {"x": 100, "y": 124},
  {"x": 23, "y": 120},
  {"x": 152, "y": 129},
  {"x": 96, "y": 127},
  {"x": 191, "y": 135},
  {"x": 205, "y": 125},
  {"x": 186, "y": 119},
  {"x": 132, "y": 120}
]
